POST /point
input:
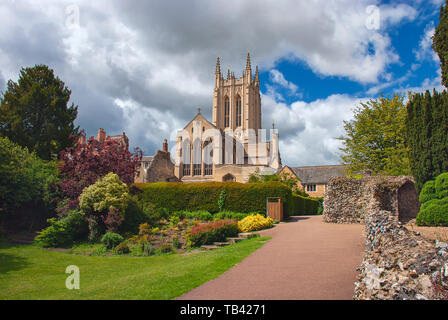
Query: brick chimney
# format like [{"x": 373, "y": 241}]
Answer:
[
  {"x": 101, "y": 137},
  {"x": 165, "y": 145}
]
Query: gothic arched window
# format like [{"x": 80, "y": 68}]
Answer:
[
  {"x": 197, "y": 157},
  {"x": 186, "y": 157},
  {"x": 226, "y": 112},
  {"x": 238, "y": 111}
]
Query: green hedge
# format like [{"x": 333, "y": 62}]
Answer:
[
  {"x": 434, "y": 200},
  {"x": 302, "y": 206},
  {"x": 240, "y": 197},
  {"x": 434, "y": 213}
]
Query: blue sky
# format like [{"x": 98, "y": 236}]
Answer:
[
  {"x": 405, "y": 40},
  {"x": 143, "y": 68}
]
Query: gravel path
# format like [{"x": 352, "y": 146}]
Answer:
[{"x": 305, "y": 259}]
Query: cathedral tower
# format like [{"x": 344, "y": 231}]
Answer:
[{"x": 236, "y": 101}]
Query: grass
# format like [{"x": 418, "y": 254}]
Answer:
[{"x": 30, "y": 272}]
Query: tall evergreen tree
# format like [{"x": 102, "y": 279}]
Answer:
[
  {"x": 34, "y": 112},
  {"x": 427, "y": 135},
  {"x": 440, "y": 42}
]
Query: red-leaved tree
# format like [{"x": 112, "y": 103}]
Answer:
[{"x": 84, "y": 163}]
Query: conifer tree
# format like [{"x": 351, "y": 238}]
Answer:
[
  {"x": 34, "y": 112},
  {"x": 440, "y": 42}
]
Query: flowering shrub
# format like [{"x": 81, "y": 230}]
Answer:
[
  {"x": 254, "y": 223},
  {"x": 107, "y": 192},
  {"x": 210, "y": 232}
]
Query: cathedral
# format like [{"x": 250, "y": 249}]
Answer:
[{"x": 234, "y": 144}]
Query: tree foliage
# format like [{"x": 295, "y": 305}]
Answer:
[
  {"x": 427, "y": 135},
  {"x": 376, "y": 138},
  {"x": 83, "y": 164},
  {"x": 24, "y": 177},
  {"x": 34, "y": 112},
  {"x": 440, "y": 42}
]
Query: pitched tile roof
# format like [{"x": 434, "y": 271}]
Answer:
[{"x": 318, "y": 174}]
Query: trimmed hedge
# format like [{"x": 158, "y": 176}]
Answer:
[
  {"x": 434, "y": 200},
  {"x": 240, "y": 197},
  {"x": 302, "y": 206},
  {"x": 434, "y": 213}
]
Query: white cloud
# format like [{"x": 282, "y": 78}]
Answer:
[
  {"x": 425, "y": 51},
  {"x": 144, "y": 67},
  {"x": 309, "y": 131},
  {"x": 277, "y": 77}
]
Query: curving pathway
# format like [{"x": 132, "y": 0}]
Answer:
[{"x": 305, "y": 259}]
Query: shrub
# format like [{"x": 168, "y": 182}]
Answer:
[
  {"x": 111, "y": 240},
  {"x": 434, "y": 200},
  {"x": 165, "y": 247},
  {"x": 210, "y": 232},
  {"x": 56, "y": 235},
  {"x": 133, "y": 216},
  {"x": 428, "y": 192},
  {"x": 301, "y": 206},
  {"x": 24, "y": 177},
  {"x": 113, "y": 220},
  {"x": 122, "y": 248},
  {"x": 433, "y": 213},
  {"x": 77, "y": 223},
  {"x": 254, "y": 223},
  {"x": 147, "y": 249},
  {"x": 320, "y": 209},
  {"x": 64, "y": 231},
  {"x": 230, "y": 215},
  {"x": 441, "y": 185},
  {"x": 222, "y": 200},
  {"x": 108, "y": 192}
]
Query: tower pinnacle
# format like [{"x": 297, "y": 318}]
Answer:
[
  {"x": 248, "y": 67},
  {"x": 218, "y": 66}
]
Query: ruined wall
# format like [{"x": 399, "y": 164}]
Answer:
[
  {"x": 400, "y": 264},
  {"x": 351, "y": 200},
  {"x": 161, "y": 169}
]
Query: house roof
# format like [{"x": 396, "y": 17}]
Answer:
[{"x": 318, "y": 174}]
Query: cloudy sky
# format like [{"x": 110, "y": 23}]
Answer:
[{"x": 144, "y": 67}]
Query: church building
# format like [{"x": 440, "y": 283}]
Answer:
[{"x": 233, "y": 145}]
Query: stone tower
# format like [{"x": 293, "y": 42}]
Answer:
[{"x": 236, "y": 101}]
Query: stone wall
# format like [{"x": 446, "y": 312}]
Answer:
[
  {"x": 351, "y": 200},
  {"x": 159, "y": 169},
  {"x": 400, "y": 264}
]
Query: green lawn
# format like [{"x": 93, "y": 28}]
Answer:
[{"x": 29, "y": 272}]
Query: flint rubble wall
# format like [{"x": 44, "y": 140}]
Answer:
[{"x": 398, "y": 264}]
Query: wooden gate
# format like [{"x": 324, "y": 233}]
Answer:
[{"x": 274, "y": 207}]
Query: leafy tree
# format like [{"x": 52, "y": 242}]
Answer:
[
  {"x": 440, "y": 42},
  {"x": 34, "y": 112},
  {"x": 376, "y": 138},
  {"x": 24, "y": 177},
  {"x": 83, "y": 164}
]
